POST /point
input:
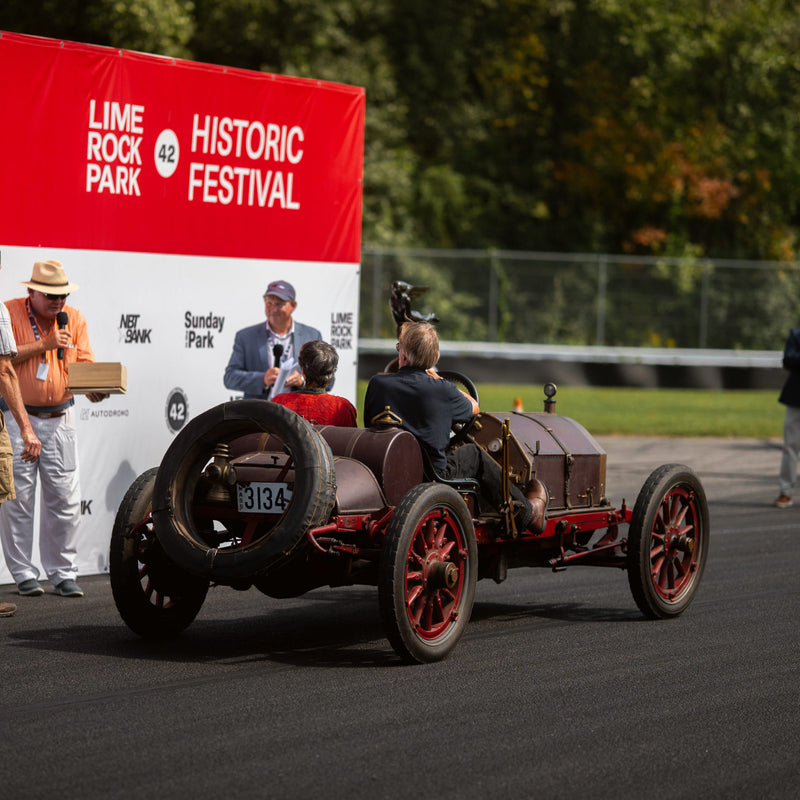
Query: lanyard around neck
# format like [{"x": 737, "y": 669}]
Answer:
[
  {"x": 32, "y": 318},
  {"x": 35, "y": 325}
]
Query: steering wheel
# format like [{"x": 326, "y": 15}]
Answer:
[
  {"x": 393, "y": 365},
  {"x": 461, "y": 430}
]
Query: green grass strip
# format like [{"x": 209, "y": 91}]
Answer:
[{"x": 645, "y": 412}]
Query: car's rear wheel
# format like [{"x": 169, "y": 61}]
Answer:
[
  {"x": 668, "y": 541},
  {"x": 428, "y": 572},
  {"x": 155, "y": 598}
]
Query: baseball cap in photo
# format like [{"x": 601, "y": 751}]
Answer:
[{"x": 281, "y": 289}]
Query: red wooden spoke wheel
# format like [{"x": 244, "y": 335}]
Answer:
[
  {"x": 668, "y": 541},
  {"x": 428, "y": 573}
]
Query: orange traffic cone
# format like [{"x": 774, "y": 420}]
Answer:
[{"x": 518, "y": 404}]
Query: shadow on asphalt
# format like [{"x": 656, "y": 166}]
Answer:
[
  {"x": 335, "y": 630},
  {"x": 322, "y": 633},
  {"x": 562, "y": 612}
]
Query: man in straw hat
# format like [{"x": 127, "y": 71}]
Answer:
[
  {"x": 10, "y": 393},
  {"x": 45, "y": 348}
]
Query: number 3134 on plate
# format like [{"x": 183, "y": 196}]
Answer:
[{"x": 263, "y": 498}]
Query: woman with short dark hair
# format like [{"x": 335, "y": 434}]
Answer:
[{"x": 318, "y": 362}]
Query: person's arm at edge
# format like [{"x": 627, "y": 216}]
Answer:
[
  {"x": 476, "y": 409},
  {"x": 791, "y": 352},
  {"x": 9, "y": 388}
]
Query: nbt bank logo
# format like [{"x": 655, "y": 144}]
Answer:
[{"x": 131, "y": 332}]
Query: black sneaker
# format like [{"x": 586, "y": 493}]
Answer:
[
  {"x": 68, "y": 588},
  {"x": 30, "y": 588}
]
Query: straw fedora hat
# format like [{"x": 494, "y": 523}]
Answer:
[{"x": 49, "y": 277}]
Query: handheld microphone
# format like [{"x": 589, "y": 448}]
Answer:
[
  {"x": 277, "y": 352},
  {"x": 61, "y": 320}
]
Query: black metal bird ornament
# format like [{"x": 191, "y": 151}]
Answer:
[{"x": 400, "y": 301}]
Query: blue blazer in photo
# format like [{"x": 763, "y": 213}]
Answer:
[{"x": 250, "y": 358}]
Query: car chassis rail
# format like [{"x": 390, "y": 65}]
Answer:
[{"x": 560, "y": 532}]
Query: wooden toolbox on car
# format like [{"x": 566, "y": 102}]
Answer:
[{"x": 109, "y": 377}]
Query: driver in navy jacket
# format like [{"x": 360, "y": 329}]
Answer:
[{"x": 428, "y": 406}]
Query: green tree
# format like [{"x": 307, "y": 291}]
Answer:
[
  {"x": 151, "y": 26},
  {"x": 688, "y": 127}
]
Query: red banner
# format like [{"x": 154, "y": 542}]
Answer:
[{"x": 112, "y": 150}]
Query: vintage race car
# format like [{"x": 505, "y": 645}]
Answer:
[{"x": 249, "y": 494}]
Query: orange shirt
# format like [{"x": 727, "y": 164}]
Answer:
[{"x": 52, "y": 391}]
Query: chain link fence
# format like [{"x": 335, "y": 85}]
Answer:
[{"x": 587, "y": 299}]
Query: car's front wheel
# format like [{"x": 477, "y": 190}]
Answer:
[{"x": 668, "y": 541}]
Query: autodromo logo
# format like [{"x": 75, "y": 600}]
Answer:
[
  {"x": 92, "y": 412},
  {"x": 177, "y": 410}
]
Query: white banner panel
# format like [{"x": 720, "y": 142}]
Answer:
[{"x": 171, "y": 321}]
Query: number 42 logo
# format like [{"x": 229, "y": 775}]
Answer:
[
  {"x": 177, "y": 410},
  {"x": 167, "y": 153}
]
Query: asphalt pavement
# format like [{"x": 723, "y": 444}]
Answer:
[{"x": 558, "y": 689}]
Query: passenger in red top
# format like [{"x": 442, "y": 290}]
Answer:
[{"x": 318, "y": 361}]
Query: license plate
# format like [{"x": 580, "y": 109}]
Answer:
[{"x": 263, "y": 498}]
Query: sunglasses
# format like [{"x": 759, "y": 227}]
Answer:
[{"x": 55, "y": 296}]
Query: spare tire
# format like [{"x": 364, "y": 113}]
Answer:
[{"x": 197, "y": 545}]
